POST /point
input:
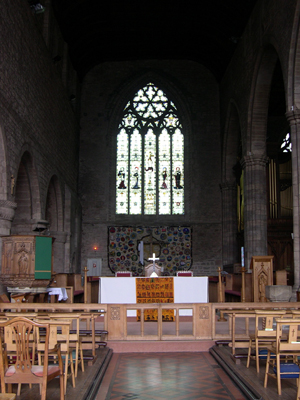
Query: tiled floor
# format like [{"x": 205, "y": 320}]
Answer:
[{"x": 163, "y": 376}]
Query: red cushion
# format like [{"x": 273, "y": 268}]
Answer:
[
  {"x": 10, "y": 371},
  {"x": 38, "y": 369}
]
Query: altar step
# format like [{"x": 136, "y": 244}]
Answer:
[{"x": 171, "y": 346}]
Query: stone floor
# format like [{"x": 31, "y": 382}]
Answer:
[
  {"x": 162, "y": 376},
  {"x": 195, "y": 375}
]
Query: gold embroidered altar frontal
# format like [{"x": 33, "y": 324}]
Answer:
[{"x": 155, "y": 290}]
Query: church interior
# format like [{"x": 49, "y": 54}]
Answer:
[
  {"x": 150, "y": 140},
  {"x": 224, "y": 84}
]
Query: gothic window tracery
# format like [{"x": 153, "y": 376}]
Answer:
[{"x": 150, "y": 156}]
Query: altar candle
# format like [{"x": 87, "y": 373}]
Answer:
[{"x": 242, "y": 256}]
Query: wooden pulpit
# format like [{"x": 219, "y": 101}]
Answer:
[
  {"x": 26, "y": 261},
  {"x": 262, "y": 276}
]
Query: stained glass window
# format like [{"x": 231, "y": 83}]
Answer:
[
  {"x": 286, "y": 145},
  {"x": 150, "y": 156}
]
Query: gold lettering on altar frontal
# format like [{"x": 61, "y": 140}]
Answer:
[{"x": 155, "y": 290}]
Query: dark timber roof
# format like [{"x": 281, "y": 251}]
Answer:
[{"x": 203, "y": 31}]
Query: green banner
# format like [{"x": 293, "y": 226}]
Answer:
[{"x": 43, "y": 257}]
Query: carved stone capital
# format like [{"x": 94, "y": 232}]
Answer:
[
  {"x": 253, "y": 160},
  {"x": 293, "y": 116}
]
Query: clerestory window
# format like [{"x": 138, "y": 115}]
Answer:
[{"x": 150, "y": 156}]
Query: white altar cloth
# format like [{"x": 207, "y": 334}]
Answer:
[
  {"x": 60, "y": 292},
  {"x": 123, "y": 291}
]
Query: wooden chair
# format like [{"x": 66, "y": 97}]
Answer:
[
  {"x": 11, "y": 343},
  {"x": 22, "y": 370},
  {"x": 287, "y": 349},
  {"x": 75, "y": 341},
  {"x": 9, "y": 335},
  {"x": 264, "y": 335},
  {"x": 59, "y": 335}
]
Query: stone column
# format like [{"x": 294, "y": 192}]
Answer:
[
  {"x": 255, "y": 208},
  {"x": 229, "y": 218},
  {"x": 294, "y": 120},
  {"x": 59, "y": 251},
  {"x": 7, "y": 213}
]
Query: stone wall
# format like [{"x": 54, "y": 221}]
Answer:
[
  {"x": 106, "y": 90},
  {"x": 36, "y": 115},
  {"x": 268, "y": 26},
  {"x": 35, "y": 109}
]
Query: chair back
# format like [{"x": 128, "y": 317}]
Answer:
[
  {"x": 62, "y": 336},
  {"x": 287, "y": 336},
  {"x": 75, "y": 341},
  {"x": 287, "y": 346},
  {"x": 23, "y": 371},
  {"x": 73, "y": 318},
  {"x": 265, "y": 321},
  {"x": 18, "y": 333}
]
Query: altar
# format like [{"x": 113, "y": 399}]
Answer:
[{"x": 123, "y": 290}]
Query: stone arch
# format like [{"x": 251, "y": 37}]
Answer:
[
  {"x": 54, "y": 205},
  {"x": 293, "y": 86},
  {"x": 27, "y": 196}
]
